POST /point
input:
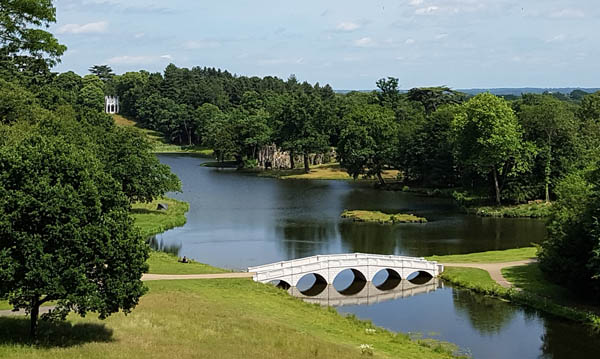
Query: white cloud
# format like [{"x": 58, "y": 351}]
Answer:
[
  {"x": 281, "y": 61},
  {"x": 201, "y": 44},
  {"x": 139, "y": 60},
  {"x": 427, "y": 10},
  {"x": 347, "y": 26},
  {"x": 441, "y": 36},
  {"x": 409, "y": 41},
  {"x": 139, "y": 35},
  {"x": 364, "y": 42},
  {"x": 558, "y": 38},
  {"x": 415, "y": 2},
  {"x": 90, "y": 28},
  {"x": 568, "y": 14}
]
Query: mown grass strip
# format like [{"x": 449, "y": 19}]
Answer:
[{"x": 508, "y": 255}]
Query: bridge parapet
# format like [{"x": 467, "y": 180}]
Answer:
[{"x": 329, "y": 266}]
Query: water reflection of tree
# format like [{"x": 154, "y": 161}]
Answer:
[
  {"x": 305, "y": 238},
  {"x": 160, "y": 246},
  {"x": 368, "y": 238},
  {"x": 565, "y": 339},
  {"x": 487, "y": 315}
]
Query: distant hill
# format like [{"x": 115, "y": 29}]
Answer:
[
  {"x": 519, "y": 91},
  {"x": 506, "y": 91}
]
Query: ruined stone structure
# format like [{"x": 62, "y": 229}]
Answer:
[{"x": 273, "y": 157}]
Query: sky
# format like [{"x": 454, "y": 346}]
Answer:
[{"x": 348, "y": 44}]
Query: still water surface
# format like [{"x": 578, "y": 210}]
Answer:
[{"x": 238, "y": 220}]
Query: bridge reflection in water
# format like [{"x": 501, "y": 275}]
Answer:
[{"x": 369, "y": 294}]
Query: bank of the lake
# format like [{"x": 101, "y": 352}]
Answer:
[
  {"x": 151, "y": 220},
  {"x": 215, "y": 319},
  {"x": 531, "y": 289}
]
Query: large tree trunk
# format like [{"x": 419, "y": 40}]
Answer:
[
  {"x": 380, "y": 177},
  {"x": 306, "y": 164},
  {"x": 292, "y": 164},
  {"x": 35, "y": 313},
  {"x": 496, "y": 185}
]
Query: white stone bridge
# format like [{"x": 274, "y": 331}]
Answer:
[{"x": 365, "y": 267}]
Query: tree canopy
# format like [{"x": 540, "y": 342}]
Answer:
[{"x": 65, "y": 232}]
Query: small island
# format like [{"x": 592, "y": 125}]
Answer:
[{"x": 383, "y": 218}]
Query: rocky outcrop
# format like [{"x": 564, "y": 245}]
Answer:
[{"x": 271, "y": 157}]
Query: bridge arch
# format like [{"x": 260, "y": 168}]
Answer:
[
  {"x": 281, "y": 284},
  {"x": 420, "y": 277},
  {"x": 386, "y": 279},
  {"x": 358, "y": 281},
  {"x": 314, "y": 282}
]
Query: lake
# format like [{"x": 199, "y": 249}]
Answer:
[{"x": 238, "y": 220}]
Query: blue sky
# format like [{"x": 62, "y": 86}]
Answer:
[{"x": 346, "y": 43}]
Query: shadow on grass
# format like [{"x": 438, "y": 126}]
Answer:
[{"x": 15, "y": 331}]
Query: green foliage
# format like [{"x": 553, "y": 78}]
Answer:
[
  {"x": 369, "y": 142},
  {"x": 571, "y": 254},
  {"x": 65, "y": 232},
  {"x": 16, "y": 103},
  {"x": 489, "y": 139},
  {"x": 24, "y": 46},
  {"x": 526, "y": 210},
  {"x": 104, "y": 72}
]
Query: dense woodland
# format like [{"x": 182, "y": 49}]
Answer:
[{"x": 510, "y": 150}]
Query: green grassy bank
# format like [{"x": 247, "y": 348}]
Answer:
[
  {"x": 509, "y": 255},
  {"x": 215, "y": 319},
  {"x": 159, "y": 144},
  {"x": 382, "y": 218},
  {"x": 532, "y": 289},
  {"x": 152, "y": 221},
  {"x": 526, "y": 210}
]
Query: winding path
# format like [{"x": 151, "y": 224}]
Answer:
[{"x": 494, "y": 269}]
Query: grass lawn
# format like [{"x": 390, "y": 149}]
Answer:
[
  {"x": 383, "y": 218},
  {"x": 152, "y": 221},
  {"x": 526, "y": 210},
  {"x": 214, "y": 319},
  {"x": 158, "y": 141},
  {"x": 164, "y": 263},
  {"x": 531, "y": 279},
  {"x": 470, "y": 278},
  {"x": 328, "y": 171},
  {"x": 509, "y": 255}
]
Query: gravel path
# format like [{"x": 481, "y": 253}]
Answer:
[{"x": 495, "y": 269}]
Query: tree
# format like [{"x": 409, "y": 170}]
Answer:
[
  {"x": 104, "y": 72},
  {"x": 590, "y": 107},
  {"x": 489, "y": 139},
  {"x": 389, "y": 94},
  {"x": 300, "y": 127},
  {"x": 546, "y": 120},
  {"x": 65, "y": 232},
  {"x": 369, "y": 142},
  {"x": 571, "y": 253},
  {"x": 434, "y": 97},
  {"x": 24, "y": 46}
]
